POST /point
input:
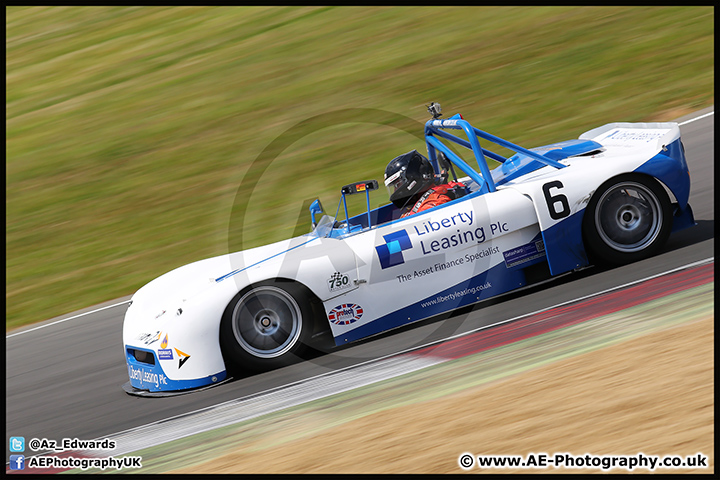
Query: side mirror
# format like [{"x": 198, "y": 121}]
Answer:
[{"x": 316, "y": 208}]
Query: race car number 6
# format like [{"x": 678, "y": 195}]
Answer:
[{"x": 553, "y": 200}]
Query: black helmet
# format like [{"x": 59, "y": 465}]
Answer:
[{"x": 408, "y": 175}]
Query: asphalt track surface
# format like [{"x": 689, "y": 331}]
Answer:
[{"x": 63, "y": 380}]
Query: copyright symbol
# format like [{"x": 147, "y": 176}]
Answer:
[
  {"x": 34, "y": 444},
  {"x": 466, "y": 461}
]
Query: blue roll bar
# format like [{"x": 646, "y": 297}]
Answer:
[{"x": 433, "y": 128}]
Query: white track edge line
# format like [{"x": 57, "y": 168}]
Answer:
[
  {"x": 697, "y": 118},
  {"x": 66, "y": 319}
]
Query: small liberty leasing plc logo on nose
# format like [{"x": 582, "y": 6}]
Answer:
[{"x": 390, "y": 253}]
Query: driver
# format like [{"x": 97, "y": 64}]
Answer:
[{"x": 414, "y": 187}]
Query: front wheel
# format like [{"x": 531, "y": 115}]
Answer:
[
  {"x": 628, "y": 218},
  {"x": 266, "y": 327}
]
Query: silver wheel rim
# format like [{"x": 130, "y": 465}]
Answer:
[
  {"x": 628, "y": 217},
  {"x": 267, "y": 322}
]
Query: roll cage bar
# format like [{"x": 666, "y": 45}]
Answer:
[{"x": 435, "y": 128}]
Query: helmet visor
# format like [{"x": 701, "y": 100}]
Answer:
[{"x": 394, "y": 181}]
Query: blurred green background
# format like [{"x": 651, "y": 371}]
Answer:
[{"x": 130, "y": 130}]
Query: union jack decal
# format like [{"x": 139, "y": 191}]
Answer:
[{"x": 345, "y": 314}]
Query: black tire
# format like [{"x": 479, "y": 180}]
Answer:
[
  {"x": 266, "y": 326},
  {"x": 628, "y": 218}
]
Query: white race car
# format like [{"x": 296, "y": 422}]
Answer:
[{"x": 613, "y": 195}]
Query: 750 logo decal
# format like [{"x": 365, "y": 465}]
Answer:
[{"x": 338, "y": 281}]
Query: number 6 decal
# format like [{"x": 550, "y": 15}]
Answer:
[{"x": 553, "y": 200}]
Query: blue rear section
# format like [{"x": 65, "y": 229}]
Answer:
[
  {"x": 683, "y": 218},
  {"x": 151, "y": 377},
  {"x": 670, "y": 167}
]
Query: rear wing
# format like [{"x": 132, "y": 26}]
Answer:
[{"x": 634, "y": 135}]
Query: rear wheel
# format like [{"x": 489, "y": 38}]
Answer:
[
  {"x": 266, "y": 326},
  {"x": 629, "y": 218}
]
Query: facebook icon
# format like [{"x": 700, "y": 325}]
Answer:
[{"x": 17, "y": 462}]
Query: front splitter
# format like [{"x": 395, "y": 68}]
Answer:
[{"x": 130, "y": 390}]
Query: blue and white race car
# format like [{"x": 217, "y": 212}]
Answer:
[{"x": 613, "y": 195}]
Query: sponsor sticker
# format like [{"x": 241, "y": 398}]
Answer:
[
  {"x": 148, "y": 338},
  {"x": 524, "y": 253},
  {"x": 345, "y": 314},
  {"x": 338, "y": 281},
  {"x": 636, "y": 134},
  {"x": 165, "y": 354},
  {"x": 144, "y": 376},
  {"x": 182, "y": 358},
  {"x": 444, "y": 123}
]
